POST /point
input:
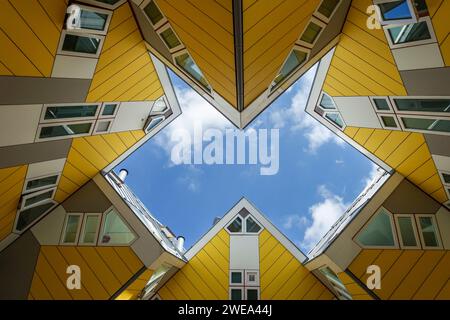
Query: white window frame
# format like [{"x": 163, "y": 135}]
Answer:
[
  {"x": 388, "y": 100},
  {"x": 153, "y": 113},
  {"x": 392, "y": 115},
  {"x": 110, "y": 120},
  {"x": 38, "y": 139},
  {"x": 147, "y": 128},
  {"x": 437, "y": 232},
  {"x": 399, "y": 233},
  {"x": 393, "y": 228},
  {"x": 242, "y": 272},
  {"x": 103, "y": 32},
  {"x": 163, "y": 28},
  {"x": 252, "y": 288},
  {"x": 236, "y": 288},
  {"x": 62, "y": 105},
  {"x": 323, "y": 93},
  {"x": 160, "y": 23},
  {"x": 63, "y": 232},
  {"x": 102, "y": 226},
  {"x": 25, "y": 190},
  {"x": 16, "y": 220},
  {"x": 33, "y": 194},
  {"x": 104, "y": 104},
  {"x": 83, "y": 223},
  {"x": 249, "y": 283},
  {"x": 104, "y": 5},
  {"x": 244, "y": 225},
  {"x": 232, "y": 220},
  {"x": 323, "y": 18},
  {"x": 441, "y": 172},
  {"x": 257, "y": 222},
  {"x": 311, "y": 45},
  {"x": 80, "y": 54},
  {"x": 419, "y": 113},
  {"x": 400, "y": 116},
  {"x": 383, "y": 22},
  {"x": 413, "y": 43}
]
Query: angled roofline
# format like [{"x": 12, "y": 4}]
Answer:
[{"x": 241, "y": 204}]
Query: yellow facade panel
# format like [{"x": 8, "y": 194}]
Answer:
[
  {"x": 423, "y": 173},
  {"x": 56, "y": 10},
  {"x": 365, "y": 258},
  {"x": 444, "y": 294},
  {"x": 363, "y": 135},
  {"x": 414, "y": 161},
  {"x": 440, "y": 22},
  {"x": 350, "y": 131},
  {"x": 119, "y": 267},
  {"x": 392, "y": 142},
  {"x": 51, "y": 281},
  {"x": 409, "y": 146},
  {"x": 435, "y": 281}
]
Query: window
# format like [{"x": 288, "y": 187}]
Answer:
[
  {"x": 446, "y": 177},
  {"x": 236, "y": 225},
  {"x": 71, "y": 229},
  {"x": 388, "y": 121},
  {"x": 333, "y": 280},
  {"x": 70, "y": 112},
  {"x": 153, "y": 13},
  {"x": 108, "y": 4},
  {"x": 159, "y": 106},
  {"x": 41, "y": 183},
  {"x": 327, "y": 8},
  {"x": 236, "y": 294},
  {"x": 115, "y": 231},
  {"x": 33, "y": 199},
  {"x": 185, "y": 62},
  {"x": 327, "y": 102},
  {"x": 295, "y": 59},
  {"x": 103, "y": 126},
  {"x": 411, "y": 34},
  {"x": 394, "y": 12},
  {"x": 236, "y": 277},
  {"x": 80, "y": 45},
  {"x": 335, "y": 118},
  {"x": 65, "y": 130},
  {"x": 251, "y": 278},
  {"x": 93, "y": 20},
  {"x": 422, "y": 105},
  {"x": 252, "y": 294},
  {"x": 90, "y": 229},
  {"x": 28, "y": 216},
  {"x": 426, "y": 124},
  {"x": 428, "y": 232},
  {"x": 406, "y": 228},
  {"x": 153, "y": 122},
  {"x": 378, "y": 232},
  {"x": 311, "y": 33},
  {"x": 109, "y": 110},
  {"x": 170, "y": 39},
  {"x": 251, "y": 226},
  {"x": 381, "y": 104}
]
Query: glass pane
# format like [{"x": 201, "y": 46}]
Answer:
[
  {"x": 103, "y": 126},
  {"x": 70, "y": 234},
  {"x": 38, "y": 198},
  {"x": 311, "y": 33},
  {"x": 381, "y": 104},
  {"x": 109, "y": 109},
  {"x": 170, "y": 38},
  {"x": 407, "y": 231},
  {"x": 67, "y": 112},
  {"x": 327, "y": 7},
  {"x": 155, "y": 122},
  {"x": 409, "y": 33},
  {"x": 327, "y": 102},
  {"x": 65, "y": 130},
  {"x": 295, "y": 59},
  {"x": 389, "y": 121},
  {"x": 115, "y": 231},
  {"x": 378, "y": 232},
  {"x": 90, "y": 229},
  {"x": 236, "y": 225},
  {"x": 236, "y": 294},
  {"x": 335, "y": 118},
  {"x": 41, "y": 182},
  {"x": 396, "y": 10},
  {"x": 236, "y": 277},
  {"x": 446, "y": 177},
  {"x": 252, "y": 226},
  {"x": 252, "y": 294},
  {"x": 80, "y": 44},
  {"x": 28, "y": 216},
  {"x": 428, "y": 231},
  {"x": 93, "y": 20},
  {"x": 427, "y": 124},
  {"x": 159, "y": 106},
  {"x": 153, "y": 13},
  {"x": 185, "y": 61},
  {"x": 425, "y": 105}
]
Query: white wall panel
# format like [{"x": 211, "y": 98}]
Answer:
[
  {"x": 18, "y": 124},
  {"x": 357, "y": 112}
]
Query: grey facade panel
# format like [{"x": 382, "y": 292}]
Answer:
[
  {"x": 407, "y": 198},
  {"x": 438, "y": 144},
  {"x": 29, "y": 90},
  {"x": 89, "y": 198},
  {"x": 17, "y": 263},
  {"x": 427, "y": 82},
  {"x": 11, "y": 156}
]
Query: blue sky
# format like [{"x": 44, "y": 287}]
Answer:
[{"x": 319, "y": 174}]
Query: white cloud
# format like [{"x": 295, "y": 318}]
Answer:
[
  {"x": 191, "y": 178},
  {"x": 294, "y": 220},
  {"x": 299, "y": 121},
  {"x": 339, "y": 161},
  {"x": 322, "y": 216},
  {"x": 375, "y": 172}
]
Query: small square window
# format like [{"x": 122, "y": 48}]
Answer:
[
  {"x": 311, "y": 33},
  {"x": 429, "y": 232},
  {"x": 327, "y": 7},
  {"x": 381, "y": 104},
  {"x": 153, "y": 13},
  {"x": 170, "y": 38},
  {"x": 446, "y": 177},
  {"x": 388, "y": 122},
  {"x": 252, "y": 277},
  {"x": 327, "y": 102},
  {"x": 236, "y": 294},
  {"x": 252, "y": 294},
  {"x": 236, "y": 277},
  {"x": 109, "y": 109},
  {"x": 103, "y": 126}
]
